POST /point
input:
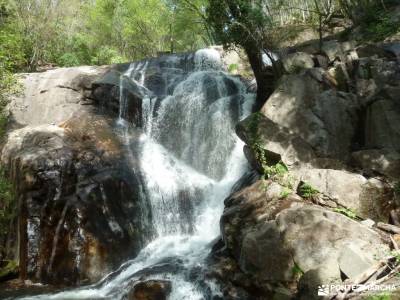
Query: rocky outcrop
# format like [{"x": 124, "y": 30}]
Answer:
[
  {"x": 278, "y": 141},
  {"x": 297, "y": 61},
  {"x": 382, "y": 120},
  {"x": 381, "y": 161},
  {"x": 53, "y": 96},
  {"x": 79, "y": 199},
  {"x": 302, "y": 114},
  {"x": 336, "y": 129},
  {"x": 77, "y": 202},
  {"x": 278, "y": 238},
  {"x": 369, "y": 198}
]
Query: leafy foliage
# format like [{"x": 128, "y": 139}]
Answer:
[
  {"x": 381, "y": 27},
  {"x": 78, "y": 32}
]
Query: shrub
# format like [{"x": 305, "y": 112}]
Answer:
[
  {"x": 307, "y": 191},
  {"x": 381, "y": 27}
]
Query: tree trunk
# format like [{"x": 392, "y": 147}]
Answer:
[{"x": 264, "y": 76}]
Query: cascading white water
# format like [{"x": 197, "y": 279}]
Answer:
[{"x": 189, "y": 159}]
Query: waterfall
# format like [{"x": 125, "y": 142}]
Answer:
[{"x": 189, "y": 159}]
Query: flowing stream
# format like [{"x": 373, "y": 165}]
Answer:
[{"x": 189, "y": 159}]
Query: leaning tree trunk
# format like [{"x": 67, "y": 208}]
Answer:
[{"x": 264, "y": 75}]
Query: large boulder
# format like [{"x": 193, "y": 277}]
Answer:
[
  {"x": 381, "y": 161},
  {"x": 79, "y": 201},
  {"x": 278, "y": 142},
  {"x": 382, "y": 125},
  {"x": 383, "y": 71},
  {"x": 325, "y": 119},
  {"x": 278, "y": 239},
  {"x": 53, "y": 96},
  {"x": 335, "y": 50},
  {"x": 79, "y": 198},
  {"x": 295, "y": 62},
  {"x": 150, "y": 290},
  {"x": 304, "y": 115},
  {"x": 369, "y": 198}
]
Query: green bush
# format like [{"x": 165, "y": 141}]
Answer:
[
  {"x": 69, "y": 60},
  {"x": 381, "y": 27},
  {"x": 106, "y": 55}
]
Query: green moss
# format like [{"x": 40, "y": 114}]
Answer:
[{"x": 233, "y": 68}]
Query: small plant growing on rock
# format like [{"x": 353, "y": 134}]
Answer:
[
  {"x": 347, "y": 212},
  {"x": 297, "y": 271},
  {"x": 307, "y": 191},
  {"x": 233, "y": 68},
  {"x": 279, "y": 169},
  {"x": 276, "y": 171},
  {"x": 285, "y": 193}
]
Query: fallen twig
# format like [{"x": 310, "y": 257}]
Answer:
[{"x": 388, "y": 227}]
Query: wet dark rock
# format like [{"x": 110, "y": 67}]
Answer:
[
  {"x": 150, "y": 290},
  {"x": 107, "y": 90},
  {"x": 78, "y": 204}
]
